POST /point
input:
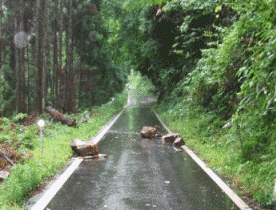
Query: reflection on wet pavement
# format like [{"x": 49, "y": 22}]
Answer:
[{"x": 139, "y": 174}]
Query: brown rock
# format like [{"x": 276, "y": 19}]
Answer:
[
  {"x": 148, "y": 132},
  {"x": 84, "y": 149},
  {"x": 170, "y": 138}
]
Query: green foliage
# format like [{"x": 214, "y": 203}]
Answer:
[
  {"x": 18, "y": 117},
  {"x": 130, "y": 5},
  {"x": 221, "y": 148},
  {"x": 28, "y": 137},
  {"x": 141, "y": 84},
  {"x": 233, "y": 80},
  {"x": 26, "y": 176}
]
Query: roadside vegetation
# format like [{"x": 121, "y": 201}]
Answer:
[
  {"x": 225, "y": 105},
  {"x": 251, "y": 177},
  {"x": 31, "y": 168},
  {"x": 213, "y": 64}
]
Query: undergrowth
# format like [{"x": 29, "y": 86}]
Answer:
[
  {"x": 222, "y": 149},
  {"x": 26, "y": 176}
]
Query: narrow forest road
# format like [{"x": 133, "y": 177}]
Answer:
[{"x": 139, "y": 174}]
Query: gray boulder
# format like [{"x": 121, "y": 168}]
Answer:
[
  {"x": 170, "y": 138},
  {"x": 178, "y": 142},
  {"x": 174, "y": 139}
]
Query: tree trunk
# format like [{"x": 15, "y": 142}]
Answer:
[
  {"x": 60, "y": 117},
  {"x": 70, "y": 86},
  {"x": 28, "y": 83},
  {"x": 46, "y": 56},
  {"x": 60, "y": 73},
  {"x": 1, "y": 99},
  {"x": 55, "y": 61},
  {"x": 22, "y": 102},
  {"x": 40, "y": 56},
  {"x": 80, "y": 67},
  {"x": 19, "y": 53},
  {"x": 1, "y": 12}
]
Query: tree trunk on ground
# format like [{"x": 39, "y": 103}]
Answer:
[{"x": 60, "y": 117}]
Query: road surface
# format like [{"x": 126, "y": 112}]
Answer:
[{"x": 139, "y": 174}]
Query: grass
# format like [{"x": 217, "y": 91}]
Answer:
[
  {"x": 221, "y": 149},
  {"x": 26, "y": 176}
]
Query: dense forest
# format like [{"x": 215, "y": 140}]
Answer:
[
  {"x": 54, "y": 53},
  {"x": 212, "y": 63}
]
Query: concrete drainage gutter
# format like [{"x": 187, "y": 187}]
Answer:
[{"x": 231, "y": 194}]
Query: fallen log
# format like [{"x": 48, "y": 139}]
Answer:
[{"x": 60, "y": 117}]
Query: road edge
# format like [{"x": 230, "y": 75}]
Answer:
[
  {"x": 51, "y": 192},
  {"x": 228, "y": 191}
]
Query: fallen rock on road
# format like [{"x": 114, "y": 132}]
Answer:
[
  {"x": 84, "y": 149},
  {"x": 149, "y": 132},
  {"x": 170, "y": 138},
  {"x": 178, "y": 142},
  {"x": 173, "y": 139}
]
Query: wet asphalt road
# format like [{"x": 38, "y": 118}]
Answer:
[{"x": 139, "y": 174}]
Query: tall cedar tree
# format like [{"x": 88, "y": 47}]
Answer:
[
  {"x": 1, "y": 98},
  {"x": 19, "y": 55},
  {"x": 40, "y": 55},
  {"x": 60, "y": 73},
  {"x": 70, "y": 86}
]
